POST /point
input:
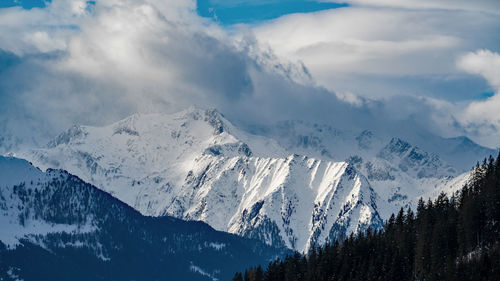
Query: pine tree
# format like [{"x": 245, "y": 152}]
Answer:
[
  {"x": 238, "y": 277},
  {"x": 259, "y": 274}
]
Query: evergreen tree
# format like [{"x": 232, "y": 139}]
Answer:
[{"x": 237, "y": 277}]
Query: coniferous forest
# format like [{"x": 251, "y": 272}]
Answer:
[{"x": 455, "y": 238}]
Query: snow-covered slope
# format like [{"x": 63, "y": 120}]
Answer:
[
  {"x": 17, "y": 221},
  {"x": 295, "y": 201},
  {"x": 399, "y": 171},
  {"x": 54, "y": 226},
  {"x": 196, "y": 165},
  {"x": 325, "y": 141}
]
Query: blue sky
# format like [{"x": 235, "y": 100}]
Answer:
[
  {"x": 26, "y": 4},
  {"x": 245, "y": 11}
]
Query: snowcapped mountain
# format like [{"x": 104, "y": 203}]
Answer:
[
  {"x": 326, "y": 141},
  {"x": 54, "y": 226},
  {"x": 197, "y": 165},
  {"x": 399, "y": 171}
]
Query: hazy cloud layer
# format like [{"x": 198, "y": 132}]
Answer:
[
  {"x": 385, "y": 49},
  {"x": 75, "y": 62}
]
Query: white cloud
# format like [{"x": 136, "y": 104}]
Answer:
[
  {"x": 483, "y": 117},
  {"x": 404, "y": 54},
  {"x": 484, "y": 6},
  {"x": 485, "y": 63},
  {"x": 379, "y": 42},
  {"x": 122, "y": 57},
  {"x": 44, "y": 43},
  {"x": 72, "y": 64}
]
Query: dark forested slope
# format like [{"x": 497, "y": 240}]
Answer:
[
  {"x": 455, "y": 238},
  {"x": 54, "y": 226}
]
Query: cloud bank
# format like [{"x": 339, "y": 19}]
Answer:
[
  {"x": 85, "y": 63},
  {"x": 387, "y": 50},
  {"x": 398, "y": 43}
]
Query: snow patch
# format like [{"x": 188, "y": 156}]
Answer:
[
  {"x": 200, "y": 271},
  {"x": 217, "y": 246}
]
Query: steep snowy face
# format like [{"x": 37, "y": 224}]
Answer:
[
  {"x": 295, "y": 201},
  {"x": 196, "y": 165},
  {"x": 399, "y": 171},
  {"x": 56, "y": 219}
]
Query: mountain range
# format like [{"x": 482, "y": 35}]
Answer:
[{"x": 294, "y": 184}]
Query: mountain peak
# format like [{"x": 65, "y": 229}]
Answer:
[
  {"x": 396, "y": 146},
  {"x": 365, "y": 139},
  {"x": 72, "y": 134},
  {"x": 412, "y": 158},
  {"x": 210, "y": 115},
  {"x": 11, "y": 169}
]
